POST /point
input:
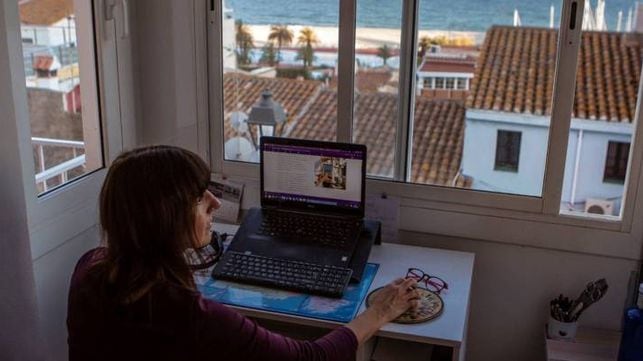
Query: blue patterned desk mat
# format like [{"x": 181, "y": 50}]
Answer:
[{"x": 300, "y": 304}]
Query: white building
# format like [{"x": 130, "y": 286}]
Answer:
[
  {"x": 48, "y": 23},
  {"x": 509, "y": 110},
  {"x": 229, "y": 43},
  {"x": 446, "y": 72}
]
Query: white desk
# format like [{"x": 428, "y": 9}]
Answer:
[{"x": 449, "y": 329}]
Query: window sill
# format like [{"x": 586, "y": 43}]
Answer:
[{"x": 497, "y": 218}]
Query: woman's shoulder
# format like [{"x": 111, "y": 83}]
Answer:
[{"x": 86, "y": 261}]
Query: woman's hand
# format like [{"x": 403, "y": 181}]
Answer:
[
  {"x": 395, "y": 298},
  {"x": 389, "y": 302}
]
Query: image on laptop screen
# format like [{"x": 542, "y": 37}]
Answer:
[{"x": 313, "y": 175}]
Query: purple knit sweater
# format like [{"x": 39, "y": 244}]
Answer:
[{"x": 172, "y": 323}]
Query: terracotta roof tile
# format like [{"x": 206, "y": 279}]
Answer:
[
  {"x": 43, "y": 62},
  {"x": 448, "y": 64},
  {"x": 515, "y": 73},
  {"x": 368, "y": 81},
  {"x": 241, "y": 92},
  {"x": 45, "y": 12}
]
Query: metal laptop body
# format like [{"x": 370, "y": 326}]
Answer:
[{"x": 333, "y": 175}]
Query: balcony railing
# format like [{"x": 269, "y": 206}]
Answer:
[{"x": 60, "y": 170}]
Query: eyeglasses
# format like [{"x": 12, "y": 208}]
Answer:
[
  {"x": 208, "y": 255},
  {"x": 431, "y": 283}
]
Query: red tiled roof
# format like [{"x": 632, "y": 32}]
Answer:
[
  {"x": 446, "y": 64},
  {"x": 515, "y": 73},
  {"x": 368, "y": 81},
  {"x": 43, "y": 62},
  {"x": 438, "y": 134},
  {"x": 45, "y": 12},
  {"x": 241, "y": 92}
]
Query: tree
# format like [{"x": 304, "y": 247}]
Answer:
[
  {"x": 245, "y": 43},
  {"x": 282, "y": 36},
  {"x": 307, "y": 38},
  {"x": 268, "y": 54},
  {"x": 423, "y": 46},
  {"x": 384, "y": 52}
]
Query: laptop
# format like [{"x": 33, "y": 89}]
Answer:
[{"x": 312, "y": 202}]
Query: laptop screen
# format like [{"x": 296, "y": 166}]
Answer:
[{"x": 313, "y": 175}]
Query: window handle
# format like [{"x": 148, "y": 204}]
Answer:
[
  {"x": 572, "y": 27},
  {"x": 125, "y": 9},
  {"x": 108, "y": 18}
]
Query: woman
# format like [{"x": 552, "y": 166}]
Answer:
[{"x": 135, "y": 299}]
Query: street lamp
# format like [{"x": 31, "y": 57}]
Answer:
[{"x": 266, "y": 114}]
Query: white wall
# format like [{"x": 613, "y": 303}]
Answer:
[
  {"x": 57, "y": 34},
  {"x": 593, "y": 154},
  {"x": 167, "y": 72},
  {"x": 512, "y": 287},
  {"x": 52, "y": 273},
  {"x": 479, "y": 156}
]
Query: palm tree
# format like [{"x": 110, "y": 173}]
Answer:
[
  {"x": 307, "y": 38},
  {"x": 268, "y": 54},
  {"x": 384, "y": 52},
  {"x": 282, "y": 36},
  {"x": 245, "y": 43}
]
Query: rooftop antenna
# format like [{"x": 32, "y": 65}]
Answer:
[
  {"x": 628, "y": 24},
  {"x": 619, "y": 20},
  {"x": 551, "y": 16},
  {"x": 517, "y": 21}
]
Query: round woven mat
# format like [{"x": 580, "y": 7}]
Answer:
[{"x": 431, "y": 306}]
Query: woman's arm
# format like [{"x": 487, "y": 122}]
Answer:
[
  {"x": 224, "y": 334},
  {"x": 390, "y": 302},
  {"x": 229, "y": 335}
]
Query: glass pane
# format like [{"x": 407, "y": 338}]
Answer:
[
  {"x": 484, "y": 124},
  {"x": 64, "y": 125},
  {"x": 377, "y": 48},
  {"x": 607, "y": 81},
  {"x": 285, "y": 51}
]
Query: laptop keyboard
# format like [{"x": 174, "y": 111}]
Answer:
[
  {"x": 292, "y": 275},
  {"x": 324, "y": 231}
]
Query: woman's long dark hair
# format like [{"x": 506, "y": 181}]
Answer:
[{"x": 147, "y": 213}]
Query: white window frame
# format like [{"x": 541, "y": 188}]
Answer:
[
  {"x": 61, "y": 214},
  {"x": 505, "y": 218}
]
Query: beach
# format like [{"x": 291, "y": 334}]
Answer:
[{"x": 365, "y": 38}]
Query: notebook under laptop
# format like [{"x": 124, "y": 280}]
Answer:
[{"x": 307, "y": 181}]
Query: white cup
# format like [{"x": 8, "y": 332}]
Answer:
[{"x": 561, "y": 330}]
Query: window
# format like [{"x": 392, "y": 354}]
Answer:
[
  {"x": 461, "y": 83},
  {"x": 616, "y": 162},
  {"x": 439, "y": 83},
  {"x": 61, "y": 92},
  {"x": 507, "y": 151},
  {"x": 450, "y": 83},
  {"x": 510, "y": 74},
  {"x": 291, "y": 66}
]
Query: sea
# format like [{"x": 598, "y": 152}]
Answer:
[{"x": 452, "y": 15}]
